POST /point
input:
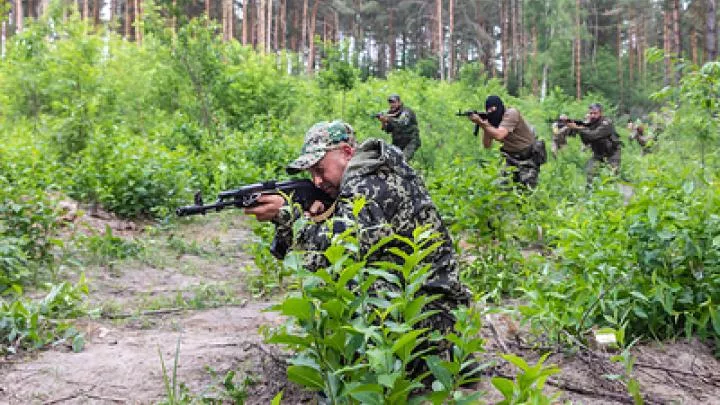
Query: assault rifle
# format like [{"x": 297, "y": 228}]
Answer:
[
  {"x": 380, "y": 114},
  {"x": 468, "y": 113},
  {"x": 302, "y": 192},
  {"x": 562, "y": 123}
]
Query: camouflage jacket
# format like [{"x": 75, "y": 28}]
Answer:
[
  {"x": 403, "y": 127},
  {"x": 601, "y": 137},
  {"x": 396, "y": 203}
]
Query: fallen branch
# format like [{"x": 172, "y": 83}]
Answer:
[
  {"x": 152, "y": 312},
  {"x": 496, "y": 335}
]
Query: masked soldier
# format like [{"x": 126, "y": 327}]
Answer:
[
  {"x": 602, "y": 138},
  {"x": 401, "y": 123},
  {"x": 519, "y": 145}
]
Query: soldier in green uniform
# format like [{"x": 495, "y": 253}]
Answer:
[
  {"x": 401, "y": 122},
  {"x": 519, "y": 145},
  {"x": 602, "y": 138},
  {"x": 397, "y": 202}
]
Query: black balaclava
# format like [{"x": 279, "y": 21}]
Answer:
[{"x": 495, "y": 117}]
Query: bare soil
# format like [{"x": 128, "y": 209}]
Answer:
[{"x": 121, "y": 360}]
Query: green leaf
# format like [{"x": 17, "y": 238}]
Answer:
[
  {"x": 277, "y": 399},
  {"x": 300, "y": 308},
  {"x": 306, "y": 376},
  {"x": 439, "y": 371},
  {"x": 407, "y": 342},
  {"x": 78, "y": 343},
  {"x": 287, "y": 339},
  {"x": 517, "y": 361},
  {"x": 504, "y": 385},
  {"x": 388, "y": 380}
]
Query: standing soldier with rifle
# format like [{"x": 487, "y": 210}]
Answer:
[
  {"x": 519, "y": 145},
  {"x": 604, "y": 141},
  {"x": 401, "y": 123}
]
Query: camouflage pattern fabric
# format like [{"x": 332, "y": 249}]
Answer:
[
  {"x": 525, "y": 170},
  {"x": 319, "y": 139},
  {"x": 403, "y": 127},
  {"x": 397, "y": 202},
  {"x": 605, "y": 145}
]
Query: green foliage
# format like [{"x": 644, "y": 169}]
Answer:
[
  {"x": 222, "y": 390},
  {"x": 132, "y": 176},
  {"x": 107, "y": 247},
  {"x": 26, "y": 324},
  {"x": 355, "y": 326},
  {"x": 528, "y": 385}
]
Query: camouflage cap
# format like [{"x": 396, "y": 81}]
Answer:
[{"x": 319, "y": 139}]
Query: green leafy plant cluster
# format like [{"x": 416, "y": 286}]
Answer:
[
  {"x": 356, "y": 327},
  {"x": 31, "y": 324}
]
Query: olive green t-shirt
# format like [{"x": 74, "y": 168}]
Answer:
[{"x": 519, "y": 136}]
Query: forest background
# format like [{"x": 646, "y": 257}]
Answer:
[{"x": 133, "y": 107}]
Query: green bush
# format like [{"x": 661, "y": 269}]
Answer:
[{"x": 132, "y": 176}]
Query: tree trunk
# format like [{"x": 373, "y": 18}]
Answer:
[
  {"x": 534, "y": 34},
  {"x": 231, "y": 19},
  {"x": 391, "y": 39},
  {"x": 441, "y": 48},
  {"x": 303, "y": 42},
  {"x": 207, "y": 9},
  {"x": 294, "y": 40},
  {"x": 283, "y": 24},
  {"x": 618, "y": 45},
  {"x": 245, "y": 16},
  {"x": 694, "y": 45},
  {"x": 127, "y": 20},
  {"x": 268, "y": 26},
  {"x": 505, "y": 40},
  {"x": 514, "y": 36},
  {"x": 138, "y": 22},
  {"x": 313, "y": 19},
  {"x": 640, "y": 46},
  {"x": 85, "y": 10},
  {"x": 96, "y": 12},
  {"x": 3, "y": 36},
  {"x": 578, "y": 69},
  {"x": 676, "y": 35},
  {"x": 276, "y": 30},
  {"x": 18, "y": 16},
  {"x": 667, "y": 47},
  {"x": 451, "y": 40},
  {"x": 710, "y": 31},
  {"x": 260, "y": 35}
]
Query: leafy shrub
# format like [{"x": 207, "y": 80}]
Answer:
[
  {"x": 356, "y": 343},
  {"x": 26, "y": 324},
  {"x": 132, "y": 176}
]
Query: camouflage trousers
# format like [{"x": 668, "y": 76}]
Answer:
[
  {"x": 408, "y": 147},
  {"x": 593, "y": 165},
  {"x": 443, "y": 322},
  {"x": 525, "y": 171}
]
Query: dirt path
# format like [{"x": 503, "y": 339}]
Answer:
[
  {"x": 150, "y": 303},
  {"x": 194, "y": 286}
]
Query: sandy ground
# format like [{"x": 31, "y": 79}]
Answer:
[{"x": 121, "y": 362}]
